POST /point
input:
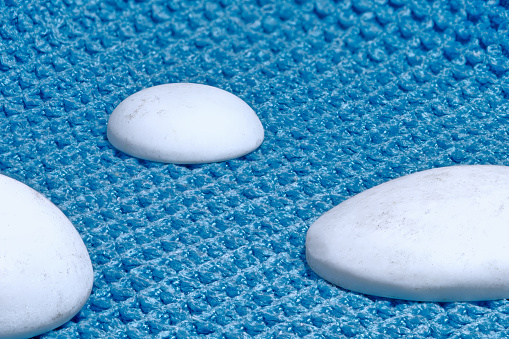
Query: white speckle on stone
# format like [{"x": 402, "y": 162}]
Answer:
[
  {"x": 436, "y": 235},
  {"x": 184, "y": 124},
  {"x": 46, "y": 274}
]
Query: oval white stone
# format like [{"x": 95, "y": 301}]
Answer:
[
  {"x": 184, "y": 124},
  {"x": 436, "y": 235},
  {"x": 45, "y": 271}
]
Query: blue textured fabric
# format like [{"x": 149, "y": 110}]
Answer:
[{"x": 351, "y": 94}]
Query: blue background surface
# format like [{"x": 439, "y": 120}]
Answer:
[{"x": 351, "y": 94}]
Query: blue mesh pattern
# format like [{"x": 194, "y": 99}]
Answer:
[{"x": 351, "y": 94}]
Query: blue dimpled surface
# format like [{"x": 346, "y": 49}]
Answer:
[{"x": 351, "y": 94}]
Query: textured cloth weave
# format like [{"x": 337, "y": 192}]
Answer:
[{"x": 351, "y": 94}]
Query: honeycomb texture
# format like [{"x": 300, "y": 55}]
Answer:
[{"x": 351, "y": 94}]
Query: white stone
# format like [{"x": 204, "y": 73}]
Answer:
[
  {"x": 45, "y": 271},
  {"x": 184, "y": 123},
  {"x": 436, "y": 235}
]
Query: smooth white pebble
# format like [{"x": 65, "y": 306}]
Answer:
[
  {"x": 436, "y": 235},
  {"x": 46, "y": 275},
  {"x": 184, "y": 123}
]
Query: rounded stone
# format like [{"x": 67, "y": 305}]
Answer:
[
  {"x": 46, "y": 274},
  {"x": 435, "y": 235},
  {"x": 184, "y": 123}
]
